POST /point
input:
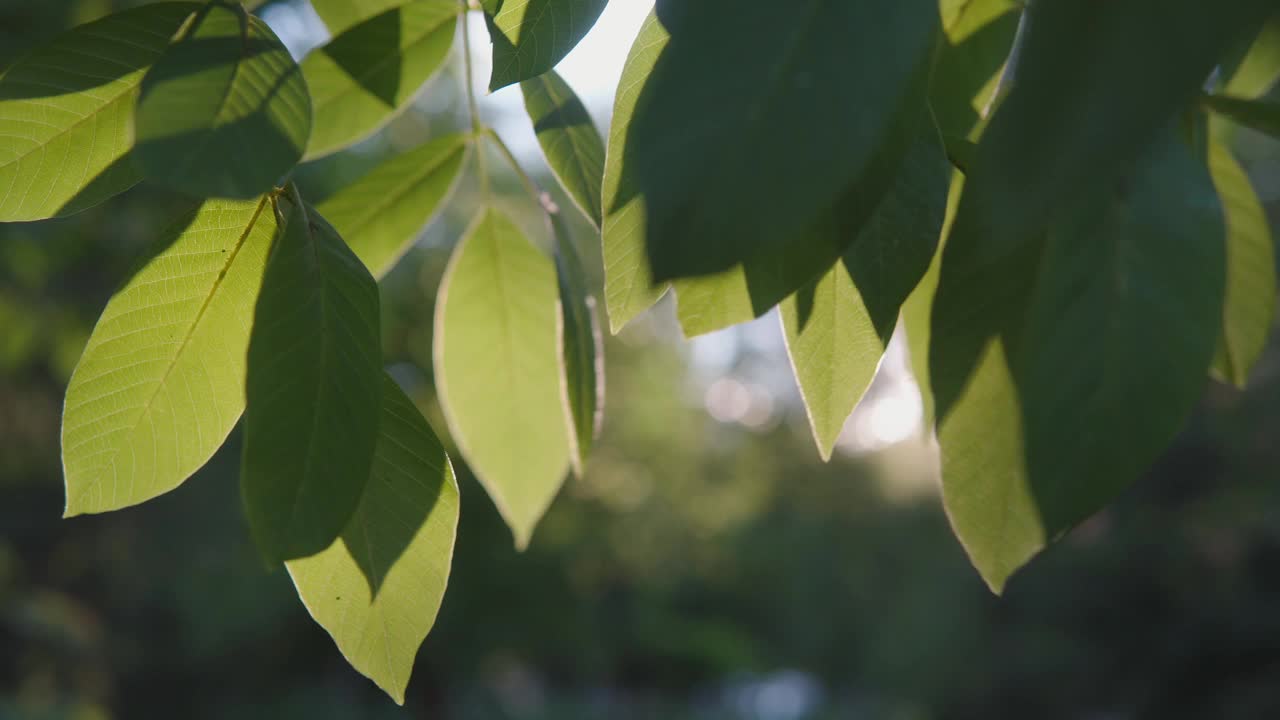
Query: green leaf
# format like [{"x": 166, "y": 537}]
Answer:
[
  {"x": 339, "y": 15},
  {"x": 378, "y": 588},
  {"x": 961, "y": 19},
  {"x": 314, "y": 391},
  {"x": 738, "y": 144},
  {"x": 531, "y": 36},
  {"x": 383, "y": 211},
  {"x": 161, "y": 381},
  {"x": 581, "y": 351},
  {"x": 497, "y": 371},
  {"x": 771, "y": 274},
  {"x": 1250, "y": 303},
  {"x": 837, "y": 327},
  {"x": 1256, "y": 70},
  {"x": 1095, "y": 83},
  {"x": 980, "y": 36},
  {"x": 569, "y": 140},
  {"x": 368, "y": 74},
  {"x": 1261, "y": 115},
  {"x": 1048, "y": 402},
  {"x": 628, "y": 282},
  {"x": 66, "y": 113},
  {"x": 225, "y": 112}
]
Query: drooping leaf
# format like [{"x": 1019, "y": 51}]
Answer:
[
  {"x": 1261, "y": 115},
  {"x": 581, "y": 351},
  {"x": 66, "y": 113},
  {"x": 979, "y": 37},
  {"x": 837, "y": 328},
  {"x": 1258, "y": 67},
  {"x": 368, "y": 74},
  {"x": 313, "y": 391},
  {"x": 771, "y": 274},
  {"x": 739, "y": 153},
  {"x": 225, "y": 111},
  {"x": 383, "y": 211},
  {"x": 497, "y": 372},
  {"x": 1250, "y": 303},
  {"x": 531, "y": 36},
  {"x": 628, "y": 282},
  {"x": 378, "y": 588},
  {"x": 569, "y": 140},
  {"x": 1095, "y": 82},
  {"x": 339, "y": 15},
  {"x": 1048, "y": 402},
  {"x": 161, "y": 381}
]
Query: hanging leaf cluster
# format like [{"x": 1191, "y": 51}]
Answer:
[{"x": 1036, "y": 192}]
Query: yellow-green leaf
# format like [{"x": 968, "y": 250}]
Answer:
[
  {"x": 531, "y": 36},
  {"x": 569, "y": 140}
]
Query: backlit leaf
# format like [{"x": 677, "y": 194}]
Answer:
[
  {"x": 1261, "y": 115},
  {"x": 1258, "y": 68},
  {"x": 739, "y": 152},
  {"x": 581, "y": 351},
  {"x": 1048, "y": 402},
  {"x": 531, "y": 36},
  {"x": 377, "y": 589},
  {"x": 338, "y": 15},
  {"x": 628, "y": 282},
  {"x": 497, "y": 372},
  {"x": 225, "y": 111},
  {"x": 569, "y": 140},
  {"x": 66, "y": 113},
  {"x": 314, "y": 391},
  {"x": 1250, "y": 303},
  {"x": 161, "y": 382},
  {"x": 365, "y": 76},
  {"x": 837, "y": 327},
  {"x": 382, "y": 212}
]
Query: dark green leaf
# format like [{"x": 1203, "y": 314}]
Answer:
[
  {"x": 497, "y": 370},
  {"x": 1255, "y": 71},
  {"x": 979, "y": 36},
  {"x": 66, "y": 113},
  {"x": 837, "y": 327},
  {"x": 383, "y": 211},
  {"x": 628, "y": 282},
  {"x": 1048, "y": 402},
  {"x": 1251, "y": 278},
  {"x": 739, "y": 143},
  {"x": 1261, "y": 115},
  {"x": 531, "y": 36},
  {"x": 161, "y": 382},
  {"x": 313, "y": 391},
  {"x": 569, "y": 140},
  {"x": 225, "y": 111},
  {"x": 369, "y": 73},
  {"x": 377, "y": 589},
  {"x": 581, "y": 351}
]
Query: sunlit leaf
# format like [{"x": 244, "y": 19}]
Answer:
[
  {"x": 1048, "y": 402},
  {"x": 531, "y": 36},
  {"x": 225, "y": 111},
  {"x": 1250, "y": 303},
  {"x": 66, "y": 113},
  {"x": 581, "y": 351},
  {"x": 628, "y": 282},
  {"x": 1258, "y": 67},
  {"x": 365, "y": 76},
  {"x": 161, "y": 382},
  {"x": 1261, "y": 115},
  {"x": 837, "y": 327},
  {"x": 377, "y": 589},
  {"x": 739, "y": 152},
  {"x": 497, "y": 372},
  {"x": 382, "y": 212},
  {"x": 314, "y": 391},
  {"x": 979, "y": 38},
  {"x": 339, "y": 15},
  {"x": 569, "y": 140}
]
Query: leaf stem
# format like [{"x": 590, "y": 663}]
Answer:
[{"x": 542, "y": 198}]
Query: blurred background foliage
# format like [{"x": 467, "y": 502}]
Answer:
[{"x": 707, "y": 566}]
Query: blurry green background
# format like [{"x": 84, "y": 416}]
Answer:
[{"x": 707, "y": 566}]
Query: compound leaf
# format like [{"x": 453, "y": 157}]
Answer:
[
  {"x": 161, "y": 381},
  {"x": 378, "y": 587}
]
